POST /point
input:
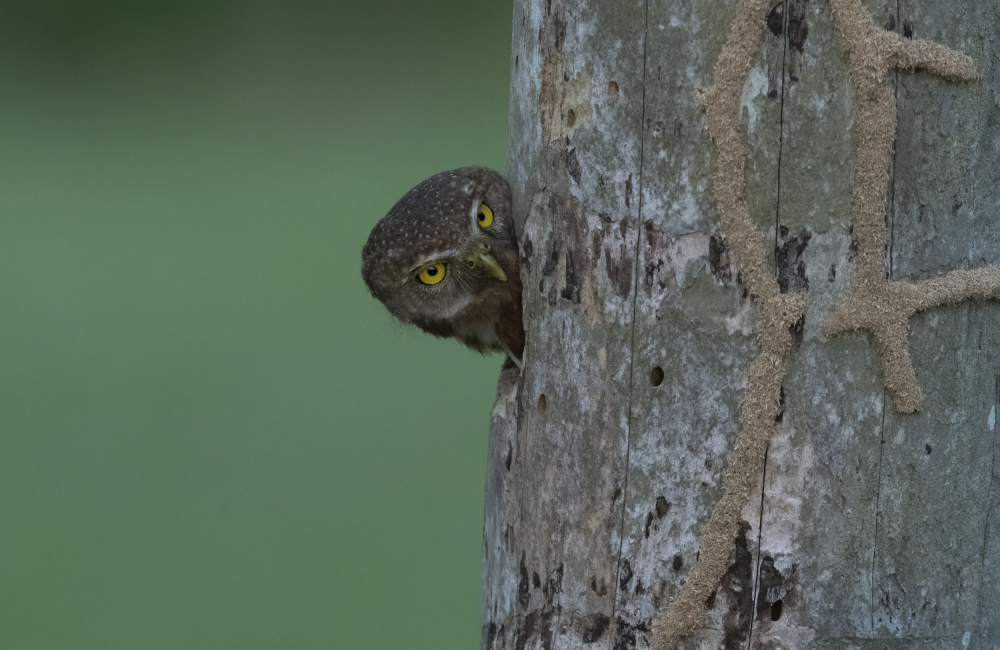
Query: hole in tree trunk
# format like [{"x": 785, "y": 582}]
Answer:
[
  {"x": 656, "y": 377},
  {"x": 776, "y": 608},
  {"x": 541, "y": 403}
]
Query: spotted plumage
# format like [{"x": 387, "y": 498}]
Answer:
[{"x": 445, "y": 259}]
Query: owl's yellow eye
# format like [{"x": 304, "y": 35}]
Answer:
[
  {"x": 431, "y": 274},
  {"x": 485, "y": 216}
]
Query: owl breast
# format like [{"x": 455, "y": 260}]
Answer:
[{"x": 481, "y": 336}]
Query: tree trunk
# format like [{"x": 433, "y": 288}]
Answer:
[{"x": 668, "y": 241}]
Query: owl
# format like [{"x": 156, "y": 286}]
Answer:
[{"x": 445, "y": 259}]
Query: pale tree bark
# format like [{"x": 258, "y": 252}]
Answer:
[{"x": 867, "y": 526}]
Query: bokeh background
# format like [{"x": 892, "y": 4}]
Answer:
[{"x": 210, "y": 435}]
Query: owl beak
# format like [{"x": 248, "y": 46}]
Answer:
[{"x": 482, "y": 258}]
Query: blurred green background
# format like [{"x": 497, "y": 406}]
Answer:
[{"x": 210, "y": 435}]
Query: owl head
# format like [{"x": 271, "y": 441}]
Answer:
[{"x": 446, "y": 254}]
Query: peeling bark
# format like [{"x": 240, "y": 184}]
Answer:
[{"x": 869, "y": 528}]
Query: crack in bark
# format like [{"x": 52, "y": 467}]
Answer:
[{"x": 635, "y": 299}]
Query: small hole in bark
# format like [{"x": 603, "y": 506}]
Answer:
[
  {"x": 656, "y": 376},
  {"x": 776, "y": 608},
  {"x": 612, "y": 90},
  {"x": 570, "y": 117},
  {"x": 517, "y": 59},
  {"x": 541, "y": 403}
]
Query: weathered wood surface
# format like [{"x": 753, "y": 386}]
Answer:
[{"x": 873, "y": 528}]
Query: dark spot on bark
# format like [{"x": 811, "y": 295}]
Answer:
[
  {"x": 649, "y": 522},
  {"x": 612, "y": 90},
  {"x": 510, "y": 455},
  {"x": 798, "y": 30},
  {"x": 832, "y": 275},
  {"x": 639, "y": 588},
  {"x": 769, "y": 578},
  {"x": 620, "y": 273},
  {"x": 781, "y": 405},
  {"x": 798, "y": 332},
  {"x": 625, "y": 575},
  {"x": 907, "y": 29},
  {"x": 572, "y": 289},
  {"x": 658, "y": 127},
  {"x": 718, "y": 259},
  {"x": 626, "y": 634},
  {"x": 772, "y": 93},
  {"x": 678, "y": 562},
  {"x": 651, "y": 270},
  {"x": 523, "y": 596},
  {"x": 573, "y": 164},
  {"x": 553, "y": 585},
  {"x": 535, "y": 630},
  {"x": 600, "y": 180},
  {"x": 628, "y": 192},
  {"x": 594, "y": 627},
  {"x": 776, "y": 19},
  {"x": 650, "y": 233},
  {"x": 662, "y": 507},
  {"x": 773, "y": 589},
  {"x": 552, "y": 260},
  {"x": 890, "y": 23},
  {"x": 656, "y": 376},
  {"x": 928, "y": 448},
  {"x": 737, "y": 586},
  {"x": 710, "y": 601},
  {"x": 617, "y": 493},
  {"x": 790, "y": 261},
  {"x": 535, "y": 580},
  {"x": 955, "y": 208},
  {"x": 744, "y": 289},
  {"x": 783, "y": 231},
  {"x": 527, "y": 249},
  {"x": 490, "y": 634}
]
